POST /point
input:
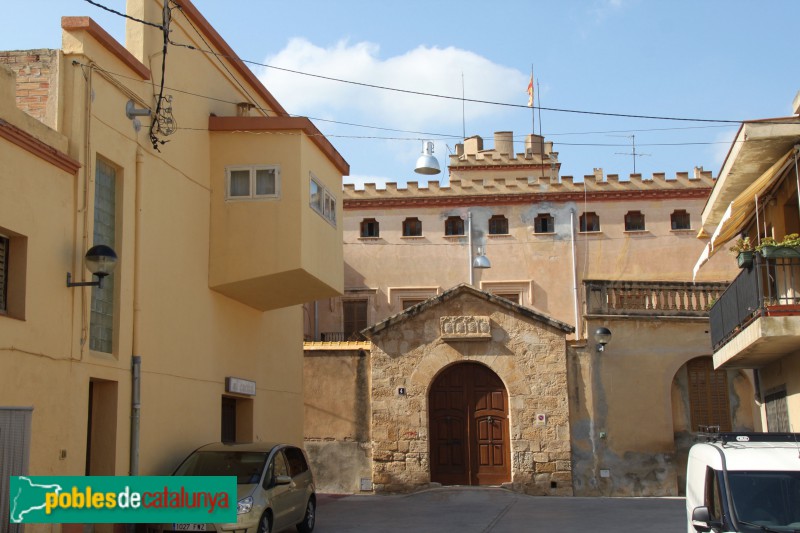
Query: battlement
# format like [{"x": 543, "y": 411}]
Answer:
[{"x": 596, "y": 182}]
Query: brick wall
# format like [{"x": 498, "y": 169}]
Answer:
[{"x": 35, "y": 70}]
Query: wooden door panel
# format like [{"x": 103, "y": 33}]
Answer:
[{"x": 469, "y": 427}]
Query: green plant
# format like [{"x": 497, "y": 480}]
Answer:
[
  {"x": 791, "y": 240},
  {"x": 742, "y": 245}
]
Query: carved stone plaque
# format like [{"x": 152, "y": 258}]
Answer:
[{"x": 465, "y": 328}]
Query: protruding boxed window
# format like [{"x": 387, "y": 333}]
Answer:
[
  {"x": 680, "y": 219},
  {"x": 322, "y": 201},
  {"x": 370, "y": 228},
  {"x": 544, "y": 223},
  {"x": 412, "y": 227},
  {"x": 498, "y": 225},
  {"x": 454, "y": 225},
  {"x": 252, "y": 182},
  {"x": 634, "y": 221},
  {"x": 589, "y": 222}
]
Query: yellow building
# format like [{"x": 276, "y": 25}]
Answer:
[
  {"x": 225, "y": 216},
  {"x": 755, "y": 324},
  {"x": 568, "y": 257}
]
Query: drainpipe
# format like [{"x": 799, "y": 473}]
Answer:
[
  {"x": 469, "y": 249},
  {"x": 574, "y": 272},
  {"x": 797, "y": 174},
  {"x": 136, "y": 360}
]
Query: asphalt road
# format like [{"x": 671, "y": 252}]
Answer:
[{"x": 484, "y": 510}]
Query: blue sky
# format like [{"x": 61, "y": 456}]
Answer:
[{"x": 727, "y": 60}]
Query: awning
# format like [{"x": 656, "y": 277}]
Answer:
[{"x": 741, "y": 209}]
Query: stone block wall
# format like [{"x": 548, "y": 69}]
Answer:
[{"x": 528, "y": 355}]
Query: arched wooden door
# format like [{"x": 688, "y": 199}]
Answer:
[{"x": 469, "y": 434}]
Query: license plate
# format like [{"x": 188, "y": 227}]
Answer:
[{"x": 189, "y": 527}]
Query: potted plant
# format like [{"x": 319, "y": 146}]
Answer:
[
  {"x": 744, "y": 251},
  {"x": 789, "y": 246}
]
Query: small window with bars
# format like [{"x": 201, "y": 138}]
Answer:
[
  {"x": 454, "y": 226},
  {"x": 634, "y": 221},
  {"x": 680, "y": 219},
  {"x": 777, "y": 411},
  {"x": 544, "y": 223},
  {"x": 370, "y": 228},
  {"x": 589, "y": 222},
  {"x": 498, "y": 225},
  {"x": 412, "y": 227}
]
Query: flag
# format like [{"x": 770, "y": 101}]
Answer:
[{"x": 530, "y": 92}]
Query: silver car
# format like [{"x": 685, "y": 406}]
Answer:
[{"x": 275, "y": 486}]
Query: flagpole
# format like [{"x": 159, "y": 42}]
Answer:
[{"x": 533, "y": 109}]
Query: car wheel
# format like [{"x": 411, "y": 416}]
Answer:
[
  {"x": 307, "y": 525},
  {"x": 265, "y": 524}
]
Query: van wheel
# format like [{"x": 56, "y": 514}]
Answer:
[
  {"x": 265, "y": 524},
  {"x": 307, "y": 525}
]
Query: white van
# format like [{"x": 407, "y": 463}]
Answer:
[{"x": 744, "y": 482}]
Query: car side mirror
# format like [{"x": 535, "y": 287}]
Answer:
[
  {"x": 701, "y": 520},
  {"x": 283, "y": 480}
]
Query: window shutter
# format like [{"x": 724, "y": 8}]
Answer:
[{"x": 708, "y": 395}]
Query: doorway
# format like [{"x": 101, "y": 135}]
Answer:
[{"x": 469, "y": 427}]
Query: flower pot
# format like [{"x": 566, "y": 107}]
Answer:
[
  {"x": 772, "y": 252},
  {"x": 745, "y": 259}
]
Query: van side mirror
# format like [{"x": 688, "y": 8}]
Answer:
[{"x": 701, "y": 520}]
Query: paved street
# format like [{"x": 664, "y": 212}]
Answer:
[{"x": 483, "y": 510}]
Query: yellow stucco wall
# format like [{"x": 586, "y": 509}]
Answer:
[{"x": 189, "y": 337}]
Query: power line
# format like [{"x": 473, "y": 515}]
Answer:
[{"x": 101, "y": 6}]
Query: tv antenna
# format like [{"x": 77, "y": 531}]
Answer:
[{"x": 632, "y": 153}]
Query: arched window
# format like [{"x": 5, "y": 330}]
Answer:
[
  {"x": 590, "y": 222},
  {"x": 634, "y": 221},
  {"x": 544, "y": 223},
  {"x": 412, "y": 227},
  {"x": 708, "y": 395},
  {"x": 498, "y": 225},
  {"x": 370, "y": 228},
  {"x": 454, "y": 226},
  {"x": 680, "y": 219}
]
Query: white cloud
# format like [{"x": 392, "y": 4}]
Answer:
[{"x": 423, "y": 69}]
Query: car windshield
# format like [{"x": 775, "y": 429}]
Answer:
[
  {"x": 767, "y": 499},
  {"x": 246, "y": 466}
]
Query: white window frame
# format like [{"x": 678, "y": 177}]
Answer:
[
  {"x": 252, "y": 169},
  {"x": 327, "y": 209}
]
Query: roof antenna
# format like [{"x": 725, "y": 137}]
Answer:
[{"x": 633, "y": 149}]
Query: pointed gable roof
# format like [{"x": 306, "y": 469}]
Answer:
[{"x": 453, "y": 293}]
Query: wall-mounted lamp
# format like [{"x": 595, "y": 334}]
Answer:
[
  {"x": 601, "y": 336},
  {"x": 100, "y": 260},
  {"x": 426, "y": 163},
  {"x": 481, "y": 261}
]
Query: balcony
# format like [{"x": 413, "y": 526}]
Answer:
[
  {"x": 651, "y": 298},
  {"x": 757, "y": 319}
]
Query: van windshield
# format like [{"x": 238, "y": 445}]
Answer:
[
  {"x": 246, "y": 466},
  {"x": 767, "y": 498}
]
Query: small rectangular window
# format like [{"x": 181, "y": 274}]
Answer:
[
  {"x": 254, "y": 182},
  {"x": 454, "y": 226},
  {"x": 544, "y": 224},
  {"x": 589, "y": 222},
  {"x": 498, "y": 225},
  {"x": 634, "y": 221},
  {"x": 322, "y": 201}
]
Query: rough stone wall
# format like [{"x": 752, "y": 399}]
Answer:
[
  {"x": 336, "y": 418},
  {"x": 530, "y": 358},
  {"x": 36, "y": 74}
]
